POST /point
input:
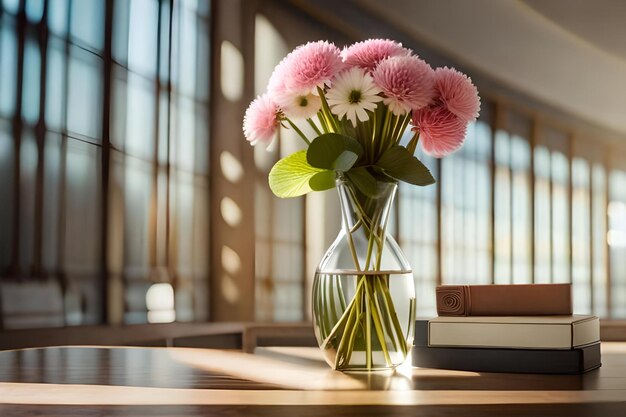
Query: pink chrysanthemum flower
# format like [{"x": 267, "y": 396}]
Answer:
[
  {"x": 276, "y": 84},
  {"x": 261, "y": 120},
  {"x": 441, "y": 132},
  {"x": 457, "y": 92},
  {"x": 308, "y": 67},
  {"x": 407, "y": 82},
  {"x": 369, "y": 53}
]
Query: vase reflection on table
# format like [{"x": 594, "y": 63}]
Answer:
[{"x": 368, "y": 106}]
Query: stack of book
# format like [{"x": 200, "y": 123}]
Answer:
[{"x": 507, "y": 328}]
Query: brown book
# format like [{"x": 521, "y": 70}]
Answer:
[{"x": 504, "y": 300}]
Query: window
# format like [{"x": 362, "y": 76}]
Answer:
[
  {"x": 104, "y": 147},
  {"x": 581, "y": 235},
  {"x": 419, "y": 239},
  {"x": 616, "y": 238},
  {"x": 465, "y": 205}
]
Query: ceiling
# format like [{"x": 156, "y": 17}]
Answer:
[
  {"x": 570, "y": 54},
  {"x": 602, "y": 23}
]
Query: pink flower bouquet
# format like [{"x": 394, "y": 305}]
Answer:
[
  {"x": 368, "y": 106},
  {"x": 360, "y": 102}
]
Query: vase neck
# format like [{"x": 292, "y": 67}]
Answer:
[{"x": 358, "y": 208}]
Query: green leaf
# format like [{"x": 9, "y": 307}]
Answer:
[
  {"x": 321, "y": 181},
  {"x": 363, "y": 180},
  {"x": 290, "y": 176},
  {"x": 333, "y": 151},
  {"x": 399, "y": 163}
]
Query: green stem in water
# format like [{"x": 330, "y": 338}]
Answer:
[
  {"x": 394, "y": 316},
  {"x": 341, "y": 349},
  {"x": 343, "y": 318},
  {"x": 375, "y": 314}
]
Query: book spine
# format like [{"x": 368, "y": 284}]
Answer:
[
  {"x": 501, "y": 335},
  {"x": 504, "y": 300}
]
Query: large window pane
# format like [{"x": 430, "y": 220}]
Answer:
[
  {"x": 55, "y": 84},
  {"x": 30, "y": 85},
  {"x": 8, "y": 67},
  {"x": 87, "y": 24},
  {"x": 58, "y": 12},
  {"x": 34, "y": 10},
  {"x": 616, "y": 237},
  {"x": 29, "y": 158},
  {"x": 137, "y": 199},
  {"x": 143, "y": 38},
  {"x": 82, "y": 222},
  {"x": 140, "y": 119},
  {"x": 502, "y": 218},
  {"x": 84, "y": 102},
  {"x": 418, "y": 238},
  {"x": 599, "y": 227},
  {"x": 185, "y": 76},
  {"x": 521, "y": 238},
  {"x": 581, "y": 241},
  {"x": 465, "y": 186},
  {"x": 543, "y": 219},
  {"x": 7, "y": 157},
  {"x": 51, "y": 202},
  {"x": 560, "y": 218}
]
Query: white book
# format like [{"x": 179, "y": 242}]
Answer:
[{"x": 522, "y": 332}]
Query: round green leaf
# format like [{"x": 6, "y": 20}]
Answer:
[
  {"x": 334, "y": 151},
  {"x": 321, "y": 181},
  {"x": 290, "y": 176},
  {"x": 399, "y": 163}
]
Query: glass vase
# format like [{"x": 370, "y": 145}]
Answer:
[{"x": 363, "y": 292}]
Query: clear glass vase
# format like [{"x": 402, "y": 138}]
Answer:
[{"x": 363, "y": 292}]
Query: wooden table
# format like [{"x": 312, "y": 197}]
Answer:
[{"x": 108, "y": 381}]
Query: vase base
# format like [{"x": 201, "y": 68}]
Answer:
[{"x": 358, "y": 362}]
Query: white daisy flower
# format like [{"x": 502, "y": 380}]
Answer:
[
  {"x": 297, "y": 105},
  {"x": 352, "y": 93}
]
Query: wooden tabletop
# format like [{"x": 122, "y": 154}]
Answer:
[{"x": 102, "y": 381}]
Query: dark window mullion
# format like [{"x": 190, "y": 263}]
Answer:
[
  {"x": 40, "y": 134},
  {"x": 17, "y": 126},
  {"x": 105, "y": 161}
]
